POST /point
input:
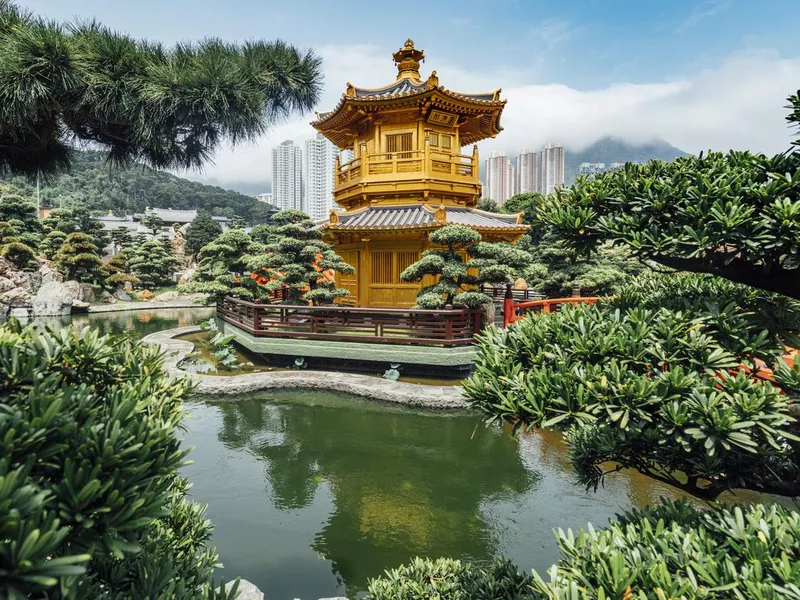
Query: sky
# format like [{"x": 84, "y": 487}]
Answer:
[{"x": 700, "y": 74}]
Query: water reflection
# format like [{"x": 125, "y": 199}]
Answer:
[{"x": 314, "y": 493}]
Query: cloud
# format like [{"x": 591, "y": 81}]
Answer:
[
  {"x": 703, "y": 10},
  {"x": 551, "y": 33},
  {"x": 738, "y": 104}
]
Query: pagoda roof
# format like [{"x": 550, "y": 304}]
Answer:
[
  {"x": 410, "y": 90},
  {"x": 421, "y": 216}
]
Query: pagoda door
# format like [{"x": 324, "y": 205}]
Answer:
[
  {"x": 349, "y": 281},
  {"x": 386, "y": 290}
]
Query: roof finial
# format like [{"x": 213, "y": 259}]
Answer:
[{"x": 408, "y": 59}]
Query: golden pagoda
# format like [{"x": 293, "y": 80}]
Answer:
[{"x": 408, "y": 176}]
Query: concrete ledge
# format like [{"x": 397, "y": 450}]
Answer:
[
  {"x": 152, "y": 305},
  {"x": 391, "y": 353},
  {"x": 411, "y": 394}
]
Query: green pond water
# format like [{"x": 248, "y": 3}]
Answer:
[{"x": 313, "y": 493}]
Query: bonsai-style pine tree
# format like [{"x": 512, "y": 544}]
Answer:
[
  {"x": 202, "y": 231},
  {"x": 78, "y": 258},
  {"x": 223, "y": 270},
  {"x": 153, "y": 223},
  {"x": 121, "y": 239},
  {"x": 153, "y": 264},
  {"x": 51, "y": 243},
  {"x": 116, "y": 271},
  {"x": 296, "y": 259},
  {"x": 457, "y": 277},
  {"x": 168, "y": 108},
  {"x": 13, "y": 246},
  {"x": 21, "y": 214}
]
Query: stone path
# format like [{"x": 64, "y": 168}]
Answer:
[
  {"x": 228, "y": 387},
  {"x": 152, "y": 305}
]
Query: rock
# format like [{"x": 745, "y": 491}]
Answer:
[
  {"x": 520, "y": 284},
  {"x": 167, "y": 297},
  {"x": 246, "y": 590},
  {"x": 48, "y": 273},
  {"x": 17, "y": 297},
  {"x": 74, "y": 289},
  {"x": 87, "y": 293},
  {"x": 19, "y": 313},
  {"x": 122, "y": 296},
  {"x": 145, "y": 295},
  {"x": 54, "y": 299},
  {"x": 80, "y": 306},
  {"x": 6, "y": 284},
  {"x": 128, "y": 287},
  {"x": 107, "y": 298},
  {"x": 187, "y": 276}
]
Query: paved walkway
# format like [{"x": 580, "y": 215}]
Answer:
[
  {"x": 151, "y": 305},
  {"x": 411, "y": 394}
]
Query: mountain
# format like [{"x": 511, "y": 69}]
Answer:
[
  {"x": 610, "y": 149},
  {"x": 92, "y": 183}
]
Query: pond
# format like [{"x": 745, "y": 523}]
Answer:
[
  {"x": 134, "y": 324},
  {"x": 313, "y": 493}
]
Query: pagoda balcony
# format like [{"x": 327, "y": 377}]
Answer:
[{"x": 414, "y": 165}]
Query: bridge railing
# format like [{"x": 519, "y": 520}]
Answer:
[
  {"x": 516, "y": 310},
  {"x": 449, "y": 327}
]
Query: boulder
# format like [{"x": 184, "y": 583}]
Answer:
[
  {"x": 187, "y": 276},
  {"x": 246, "y": 590},
  {"x": 48, "y": 273},
  {"x": 74, "y": 288},
  {"x": 107, "y": 298},
  {"x": 80, "y": 306},
  {"x": 6, "y": 284},
  {"x": 122, "y": 296},
  {"x": 87, "y": 293},
  {"x": 128, "y": 287},
  {"x": 17, "y": 298},
  {"x": 167, "y": 297},
  {"x": 19, "y": 313},
  {"x": 145, "y": 295},
  {"x": 54, "y": 298},
  {"x": 520, "y": 284}
]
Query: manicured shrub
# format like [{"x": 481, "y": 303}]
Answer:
[{"x": 91, "y": 503}]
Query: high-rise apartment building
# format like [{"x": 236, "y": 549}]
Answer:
[
  {"x": 287, "y": 176},
  {"x": 527, "y": 171},
  {"x": 266, "y": 197},
  {"x": 499, "y": 178},
  {"x": 320, "y": 160},
  {"x": 552, "y": 168},
  {"x": 591, "y": 168}
]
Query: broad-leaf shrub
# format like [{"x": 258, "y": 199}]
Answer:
[
  {"x": 91, "y": 504},
  {"x": 661, "y": 390},
  {"x": 742, "y": 552}
]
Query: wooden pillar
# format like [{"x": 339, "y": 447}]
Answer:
[
  {"x": 508, "y": 307},
  {"x": 365, "y": 271}
]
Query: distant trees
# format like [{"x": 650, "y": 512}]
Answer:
[
  {"x": 201, "y": 232},
  {"x": 488, "y": 205},
  {"x": 137, "y": 100},
  {"x": 153, "y": 223}
]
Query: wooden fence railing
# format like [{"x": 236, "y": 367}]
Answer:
[
  {"x": 498, "y": 293},
  {"x": 450, "y": 327},
  {"x": 520, "y": 309}
]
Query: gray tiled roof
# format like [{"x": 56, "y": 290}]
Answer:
[
  {"x": 174, "y": 216},
  {"x": 404, "y": 86},
  {"x": 396, "y": 217}
]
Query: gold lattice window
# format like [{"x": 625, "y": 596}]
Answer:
[
  {"x": 382, "y": 267},
  {"x": 405, "y": 260},
  {"x": 447, "y": 142},
  {"x": 433, "y": 139},
  {"x": 400, "y": 143}
]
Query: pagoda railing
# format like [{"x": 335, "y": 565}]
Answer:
[
  {"x": 390, "y": 165},
  {"x": 450, "y": 327}
]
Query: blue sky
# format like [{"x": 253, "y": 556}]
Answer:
[{"x": 708, "y": 73}]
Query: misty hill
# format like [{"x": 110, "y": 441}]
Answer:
[
  {"x": 93, "y": 184},
  {"x": 609, "y": 149}
]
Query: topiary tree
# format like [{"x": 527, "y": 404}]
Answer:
[
  {"x": 121, "y": 239},
  {"x": 153, "y": 264},
  {"x": 488, "y": 205},
  {"x": 13, "y": 246},
  {"x": 202, "y": 231},
  {"x": 296, "y": 259},
  {"x": 78, "y": 258},
  {"x": 153, "y": 223},
  {"x": 52, "y": 243},
  {"x": 169, "y": 108},
  {"x": 93, "y": 503},
  {"x": 223, "y": 265},
  {"x": 734, "y": 215},
  {"x": 496, "y": 263},
  {"x": 116, "y": 271}
]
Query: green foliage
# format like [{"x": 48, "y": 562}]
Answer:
[
  {"x": 78, "y": 259},
  {"x": 528, "y": 204},
  {"x": 13, "y": 246},
  {"x": 91, "y": 504},
  {"x": 295, "y": 258},
  {"x": 139, "y": 101},
  {"x": 51, "y": 243},
  {"x": 495, "y": 263},
  {"x": 152, "y": 263},
  {"x": 674, "y": 550},
  {"x": 222, "y": 265},
  {"x": 201, "y": 232},
  {"x": 651, "y": 381},
  {"x": 735, "y": 215},
  {"x": 450, "y": 579},
  {"x": 116, "y": 272},
  {"x": 153, "y": 223},
  {"x": 122, "y": 239},
  {"x": 15, "y": 207},
  {"x": 488, "y": 205}
]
